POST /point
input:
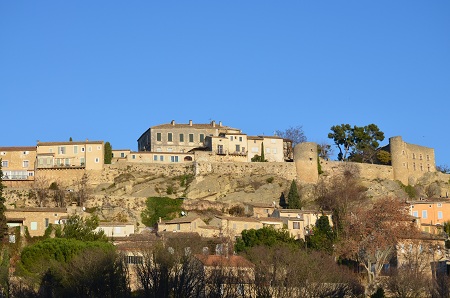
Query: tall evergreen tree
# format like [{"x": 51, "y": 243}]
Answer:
[
  {"x": 3, "y": 225},
  {"x": 108, "y": 153},
  {"x": 293, "y": 197},
  {"x": 262, "y": 152}
]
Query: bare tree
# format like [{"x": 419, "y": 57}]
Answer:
[
  {"x": 59, "y": 193},
  {"x": 40, "y": 190},
  {"x": 82, "y": 192},
  {"x": 370, "y": 235},
  {"x": 293, "y": 133}
]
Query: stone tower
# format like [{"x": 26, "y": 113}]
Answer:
[
  {"x": 305, "y": 159},
  {"x": 399, "y": 159}
]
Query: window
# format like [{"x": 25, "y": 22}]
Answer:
[
  {"x": 169, "y": 137},
  {"x": 31, "y": 174},
  {"x": 267, "y": 150},
  {"x": 231, "y": 138},
  {"x": 89, "y": 149},
  {"x": 202, "y": 138},
  {"x": 134, "y": 260},
  {"x": 82, "y": 149},
  {"x": 4, "y": 163},
  {"x": 415, "y": 213},
  {"x": 273, "y": 141},
  {"x": 158, "y": 137},
  {"x": 122, "y": 154},
  {"x": 3, "y": 153},
  {"x": 178, "y": 227},
  {"x": 181, "y": 138},
  {"x": 274, "y": 150},
  {"x": 440, "y": 216},
  {"x": 439, "y": 204},
  {"x": 25, "y": 163},
  {"x": 428, "y": 157},
  {"x": 99, "y": 148},
  {"x": 161, "y": 158},
  {"x": 75, "y": 149},
  {"x": 296, "y": 225},
  {"x": 424, "y": 214},
  {"x": 240, "y": 139},
  {"x": 25, "y": 152},
  {"x": 191, "y": 137},
  {"x": 62, "y": 150},
  {"x": 238, "y": 148},
  {"x": 133, "y": 156},
  {"x": 174, "y": 158},
  {"x": 155, "y": 157},
  {"x": 46, "y": 222},
  {"x": 33, "y": 226},
  {"x": 169, "y": 149},
  {"x": 255, "y": 149},
  {"x": 420, "y": 156},
  {"x": 82, "y": 161},
  {"x": 96, "y": 160}
]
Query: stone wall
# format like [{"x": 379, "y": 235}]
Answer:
[
  {"x": 284, "y": 170},
  {"x": 367, "y": 171}
]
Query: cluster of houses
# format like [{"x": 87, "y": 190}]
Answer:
[{"x": 165, "y": 143}]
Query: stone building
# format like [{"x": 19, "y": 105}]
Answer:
[
  {"x": 175, "y": 137},
  {"x": 88, "y": 155},
  {"x": 410, "y": 161},
  {"x": 36, "y": 220},
  {"x": 17, "y": 164}
]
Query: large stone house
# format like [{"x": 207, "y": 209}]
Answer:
[
  {"x": 17, "y": 164},
  {"x": 36, "y": 220},
  {"x": 87, "y": 155},
  {"x": 206, "y": 142}
]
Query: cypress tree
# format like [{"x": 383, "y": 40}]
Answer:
[
  {"x": 262, "y": 152},
  {"x": 3, "y": 222},
  {"x": 293, "y": 197},
  {"x": 108, "y": 153}
]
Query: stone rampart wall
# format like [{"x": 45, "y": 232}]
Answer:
[{"x": 366, "y": 171}]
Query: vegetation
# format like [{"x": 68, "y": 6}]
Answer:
[
  {"x": 160, "y": 207},
  {"x": 266, "y": 236},
  {"x": 356, "y": 143},
  {"x": 108, "y": 153},
  {"x": 81, "y": 228},
  {"x": 294, "y": 201},
  {"x": 409, "y": 189},
  {"x": 3, "y": 225},
  {"x": 293, "y": 133},
  {"x": 322, "y": 236}
]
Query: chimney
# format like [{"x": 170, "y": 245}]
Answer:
[
  {"x": 220, "y": 123},
  {"x": 213, "y": 123},
  {"x": 172, "y": 122},
  {"x": 190, "y": 122}
]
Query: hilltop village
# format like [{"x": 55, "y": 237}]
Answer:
[{"x": 224, "y": 183}]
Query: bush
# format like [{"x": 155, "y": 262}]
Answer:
[{"x": 163, "y": 207}]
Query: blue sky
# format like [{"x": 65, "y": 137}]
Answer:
[{"x": 108, "y": 70}]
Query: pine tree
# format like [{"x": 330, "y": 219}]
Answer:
[
  {"x": 3, "y": 222},
  {"x": 293, "y": 197}
]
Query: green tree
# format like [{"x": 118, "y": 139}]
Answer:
[
  {"x": 367, "y": 140},
  {"x": 108, "y": 153},
  {"x": 322, "y": 235},
  {"x": 383, "y": 157},
  {"x": 160, "y": 207},
  {"x": 359, "y": 142},
  {"x": 3, "y": 225},
  {"x": 342, "y": 136},
  {"x": 81, "y": 228},
  {"x": 266, "y": 236},
  {"x": 294, "y": 201}
]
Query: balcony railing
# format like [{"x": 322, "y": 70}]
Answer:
[
  {"x": 239, "y": 153},
  {"x": 60, "y": 166},
  {"x": 221, "y": 152},
  {"x": 15, "y": 177}
]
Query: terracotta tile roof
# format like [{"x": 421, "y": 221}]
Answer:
[
  {"x": 18, "y": 148},
  {"x": 68, "y": 143},
  {"x": 194, "y": 125},
  {"x": 180, "y": 220},
  {"x": 219, "y": 260},
  {"x": 38, "y": 209},
  {"x": 233, "y": 218},
  {"x": 111, "y": 224}
]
